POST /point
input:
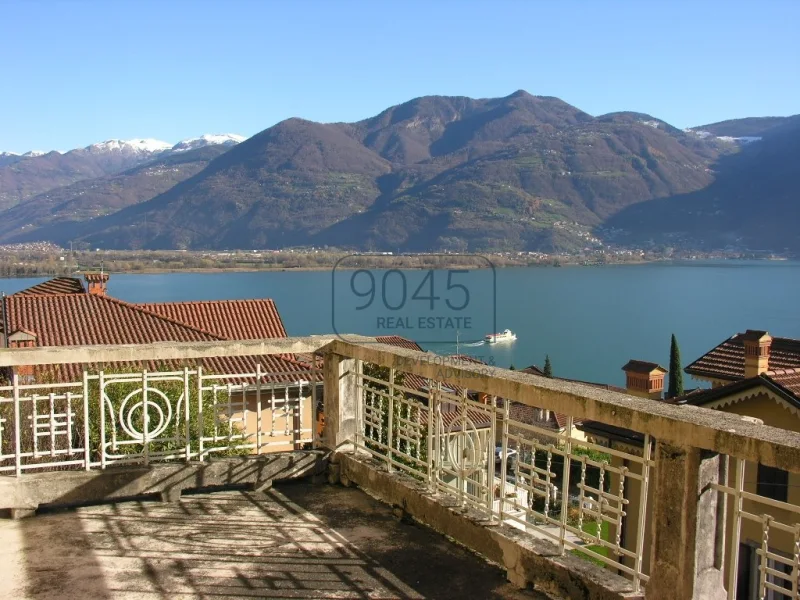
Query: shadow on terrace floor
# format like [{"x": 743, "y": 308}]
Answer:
[{"x": 295, "y": 541}]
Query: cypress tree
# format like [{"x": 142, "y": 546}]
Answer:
[
  {"x": 675, "y": 373},
  {"x": 548, "y": 368}
]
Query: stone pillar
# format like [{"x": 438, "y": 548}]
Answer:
[
  {"x": 342, "y": 402},
  {"x": 683, "y": 559}
]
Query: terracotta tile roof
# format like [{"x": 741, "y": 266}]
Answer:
[
  {"x": 642, "y": 366},
  {"x": 410, "y": 380},
  {"x": 451, "y": 420},
  {"x": 57, "y": 285},
  {"x": 230, "y": 319},
  {"x": 275, "y": 369},
  {"x": 415, "y": 382},
  {"x": 788, "y": 379},
  {"x": 421, "y": 384},
  {"x": 533, "y": 370},
  {"x": 726, "y": 361},
  {"x": 524, "y": 413},
  {"x": 561, "y": 419},
  {"x": 400, "y": 342},
  {"x": 466, "y": 358},
  {"x": 783, "y": 382},
  {"x": 87, "y": 319},
  {"x": 528, "y": 414}
]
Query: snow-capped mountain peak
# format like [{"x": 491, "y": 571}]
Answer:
[
  {"x": 9, "y": 158},
  {"x": 142, "y": 147},
  {"x": 209, "y": 139},
  {"x": 741, "y": 140},
  {"x": 148, "y": 146},
  {"x": 29, "y": 154},
  {"x": 744, "y": 139}
]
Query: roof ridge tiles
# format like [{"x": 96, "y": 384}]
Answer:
[
  {"x": 256, "y": 318},
  {"x": 63, "y": 284},
  {"x": 164, "y": 318},
  {"x": 725, "y": 361}
]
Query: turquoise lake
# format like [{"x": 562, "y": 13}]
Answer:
[{"x": 590, "y": 320}]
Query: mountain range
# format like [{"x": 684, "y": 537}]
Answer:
[
  {"x": 521, "y": 172},
  {"x": 753, "y": 202},
  {"x": 23, "y": 176}
]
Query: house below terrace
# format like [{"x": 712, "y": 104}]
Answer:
[
  {"x": 554, "y": 422},
  {"x": 64, "y": 312},
  {"x": 758, "y": 377}
]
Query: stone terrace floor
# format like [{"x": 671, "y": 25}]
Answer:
[{"x": 295, "y": 541}]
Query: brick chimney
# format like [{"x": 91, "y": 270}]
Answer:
[
  {"x": 96, "y": 283},
  {"x": 757, "y": 346},
  {"x": 644, "y": 379},
  {"x": 22, "y": 338}
]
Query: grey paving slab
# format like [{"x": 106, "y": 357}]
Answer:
[{"x": 294, "y": 541}]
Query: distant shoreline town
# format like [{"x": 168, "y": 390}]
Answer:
[{"x": 44, "y": 259}]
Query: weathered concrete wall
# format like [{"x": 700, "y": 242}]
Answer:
[
  {"x": 54, "y": 355},
  {"x": 683, "y": 552},
  {"x": 527, "y": 560},
  {"x": 31, "y": 490}
]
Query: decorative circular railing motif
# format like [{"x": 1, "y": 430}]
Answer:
[
  {"x": 132, "y": 418},
  {"x": 464, "y": 447}
]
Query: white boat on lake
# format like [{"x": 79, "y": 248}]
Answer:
[{"x": 505, "y": 336}]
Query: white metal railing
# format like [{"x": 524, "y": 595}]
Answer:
[
  {"x": 140, "y": 416},
  {"x": 546, "y": 482},
  {"x": 763, "y": 553},
  {"x": 583, "y": 497}
]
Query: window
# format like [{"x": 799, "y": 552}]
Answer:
[
  {"x": 748, "y": 580},
  {"x": 772, "y": 483},
  {"x": 748, "y": 567}
]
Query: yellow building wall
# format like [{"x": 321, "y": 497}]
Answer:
[
  {"x": 768, "y": 410},
  {"x": 578, "y": 435},
  {"x": 274, "y": 427}
]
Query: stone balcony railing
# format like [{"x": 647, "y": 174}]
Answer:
[{"x": 663, "y": 517}]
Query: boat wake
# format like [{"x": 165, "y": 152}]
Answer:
[{"x": 473, "y": 345}]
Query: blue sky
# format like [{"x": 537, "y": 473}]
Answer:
[{"x": 76, "y": 72}]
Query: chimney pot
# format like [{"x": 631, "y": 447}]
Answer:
[
  {"x": 757, "y": 346},
  {"x": 644, "y": 379},
  {"x": 22, "y": 338},
  {"x": 96, "y": 283}
]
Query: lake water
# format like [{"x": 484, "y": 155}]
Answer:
[{"x": 590, "y": 320}]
